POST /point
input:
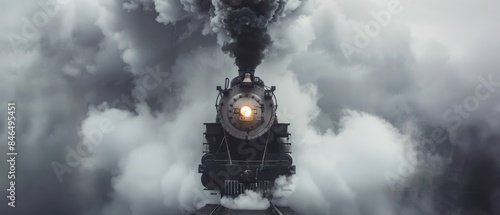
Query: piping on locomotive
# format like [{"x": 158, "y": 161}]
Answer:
[{"x": 246, "y": 148}]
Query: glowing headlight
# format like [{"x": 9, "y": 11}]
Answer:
[{"x": 246, "y": 111}]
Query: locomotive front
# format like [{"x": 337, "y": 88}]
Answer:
[{"x": 246, "y": 148}]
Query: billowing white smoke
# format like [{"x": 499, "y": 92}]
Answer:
[
  {"x": 249, "y": 200},
  {"x": 156, "y": 159},
  {"x": 157, "y": 152},
  {"x": 335, "y": 169}
]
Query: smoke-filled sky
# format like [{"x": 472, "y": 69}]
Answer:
[{"x": 394, "y": 105}]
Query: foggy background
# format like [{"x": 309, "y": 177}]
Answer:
[{"x": 112, "y": 95}]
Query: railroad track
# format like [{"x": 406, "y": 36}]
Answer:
[{"x": 221, "y": 210}]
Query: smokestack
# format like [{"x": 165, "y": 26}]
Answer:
[{"x": 242, "y": 72}]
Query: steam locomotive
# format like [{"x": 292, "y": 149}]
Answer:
[{"x": 246, "y": 148}]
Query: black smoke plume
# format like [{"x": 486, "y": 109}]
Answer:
[{"x": 246, "y": 21}]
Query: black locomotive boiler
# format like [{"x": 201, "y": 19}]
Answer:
[{"x": 246, "y": 148}]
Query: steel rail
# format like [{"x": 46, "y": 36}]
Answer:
[
  {"x": 217, "y": 210},
  {"x": 275, "y": 210}
]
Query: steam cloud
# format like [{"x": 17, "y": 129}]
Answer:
[{"x": 249, "y": 200}]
